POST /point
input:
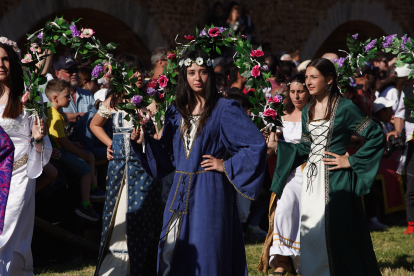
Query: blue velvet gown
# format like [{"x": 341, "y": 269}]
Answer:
[{"x": 210, "y": 239}]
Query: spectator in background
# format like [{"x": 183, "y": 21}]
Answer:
[
  {"x": 66, "y": 68},
  {"x": 296, "y": 57},
  {"x": 302, "y": 67},
  {"x": 286, "y": 57},
  {"x": 246, "y": 16},
  {"x": 237, "y": 81},
  {"x": 223, "y": 70},
  {"x": 273, "y": 63},
  {"x": 364, "y": 77},
  {"x": 80, "y": 162},
  {"x": 330, "y": 56},
  {"x": 383, "y": 111},
  {"x": 234, "y": 19},
  {"x": 216, "y": 18},
  {"x": 222, "y": 85},
  {"x": 388, "y": 90},
  {"x": 158, "y": 61},
  {"x": 287, "y": 71},
  {"x": 381, "y": 62},
  {"x": 85, "y": 80}
]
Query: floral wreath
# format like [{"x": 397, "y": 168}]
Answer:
[
  {"x": 266, "y": 110},
  {"x": 10, "y": 42},
  {"x": 60, "y": 31}
]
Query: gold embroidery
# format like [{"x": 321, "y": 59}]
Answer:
[
  {"x": 20, "y": 162},
  {"x": 288, "y": 246},
  {"x": 187, "y": 155},
  {"x": 224, "y": 168},
  {"x": 284, "y": 238}
]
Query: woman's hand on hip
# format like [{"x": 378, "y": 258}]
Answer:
[
  {"x": 109, "y": 152},
  {"x": 212, "y": 164},
  {"x": 339, "y": 161}
]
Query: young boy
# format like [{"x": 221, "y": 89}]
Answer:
[{"x": 79, "y": 161}]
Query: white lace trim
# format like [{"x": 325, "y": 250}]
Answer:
[{"x": 104, "y": 112}]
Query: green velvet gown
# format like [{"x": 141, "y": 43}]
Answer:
[{"x": 339, "y": 242}]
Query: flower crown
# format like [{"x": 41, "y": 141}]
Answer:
[
  {"x": 199, "y": 61},
  {"x": 297, "y": 83},
  {"x": 9, "y": 42}
]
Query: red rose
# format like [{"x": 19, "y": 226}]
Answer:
[
  {"x": 256, "y": 53},
  {"x": 213, "y": 32},
  {"x": 162, "y": 80},
  {"x": 171, "y": 56},
  {"x": 161, "y": 96},
  {"x": 270, "y": 113},
  {"x": 189, "y": 37}
]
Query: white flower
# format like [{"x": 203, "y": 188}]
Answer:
[
  {"x": 209, "y": 62},
  {"x": 181, "y": 63},
  {"x": 3, "y": 40},
  {"x": 267, "y": 90},
  {"x": 268, "y": 95},
  {"x": 187, "y": 62},
  {"x": 199, "y": 61}
]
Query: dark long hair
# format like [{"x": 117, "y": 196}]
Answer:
[
  {"x": 327, "y": 69},
  {"x": 132, "y": 62},
  {"x": 300, "y": 78},
  {"x": 14, "y": 106},
  {"x": 185, "y": 101}
]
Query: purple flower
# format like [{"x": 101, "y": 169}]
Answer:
[
  {"x": 279, "y": 97},
  {"x": 339, "y": 61},
  {"x": 74, "y": 30},
  {"x": 265, "y": 67},
  {"x": 41, "y": 37},
  {"x": 355, "y": 36},
  {"x": 405, "y": 40},
  {"x": 203, "y": 32},
  {"x": 136, "y": 100},
  {"x": 370, "y": 46},
  {"x": 388, "y": 41},
  {"x": 96, "y": 71},
  {"x": 222, "y": 29},
  {"x": 151, "y": 91}
]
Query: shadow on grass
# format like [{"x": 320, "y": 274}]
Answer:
[
  {"x": 399, "y": 262},
  {"x": 66, "y": 267}
]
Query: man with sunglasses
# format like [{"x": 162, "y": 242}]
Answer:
[{"x": 66, "y": 68}]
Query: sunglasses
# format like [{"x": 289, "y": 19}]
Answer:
[{"x": 71, "y": 70}]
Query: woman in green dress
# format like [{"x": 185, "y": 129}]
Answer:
[{"x": 334, "y": 234}]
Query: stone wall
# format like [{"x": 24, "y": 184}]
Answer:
[{"x": 286, "y": 25}]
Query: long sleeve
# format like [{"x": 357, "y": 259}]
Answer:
[
  {"x": 290, "y": 156},
  {"x": 366, "y": 161},
  {"x": 158, "y": 159},
  {"x": 246, "y": 168}
]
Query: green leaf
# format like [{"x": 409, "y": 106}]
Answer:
[
  {"x": 63, "y": 40},
  {"x": 111, "y": 46},
  {"x": 218, "y": 50},
  {"x": 130, "y": 73}
]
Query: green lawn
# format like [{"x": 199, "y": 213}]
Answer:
[{"x": 395, "y": 254}]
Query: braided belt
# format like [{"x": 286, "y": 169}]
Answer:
[{"x": 20, "y": 162}]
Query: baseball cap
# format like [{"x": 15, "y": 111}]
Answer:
[
  {"x": 402, "y": 71},
  {"x": 65, "y": 62},
  {"x": 381, "y": 103}
]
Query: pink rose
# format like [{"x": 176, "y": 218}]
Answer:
[
  {"x": 256, "y": 71},
  {"x": 144, "y": 116},
  {"x": 189, "y": 37},
  {"x": 86, "y": 33},
  {"x": 270, "y": 113},
  {"x": 256, "y": 53},
  {"x": 26, "y": 97},
  {"x": 213, "y": 32},
  {"x": 243, "y": 36},
  {"x": 276, "y": 99},
  {"x": 27, "y": 58},
  {"x": 107, "y": 69},
  {"x": 162, "y": 80},
  {"x": 171, "y": 56}
]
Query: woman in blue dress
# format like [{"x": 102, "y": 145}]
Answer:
[
  {"x": 201, "y": 232},
  {"x": 132, "y": 215}
]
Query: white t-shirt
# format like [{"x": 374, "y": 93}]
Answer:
[
  {"x": 391, "y": 94},
  {"x": 400, "y": 113}
]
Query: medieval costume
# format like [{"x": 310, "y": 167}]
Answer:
[
  {"x": 15, "y": 241},
  {"x": 334, "y": 233},
  {"x": 132, "y": 215},
  {"x": 202, "y": 234}
]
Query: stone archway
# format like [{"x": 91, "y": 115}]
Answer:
[
  {"x": 342, "y": 12},
  {"x": 21, "y": 18}
]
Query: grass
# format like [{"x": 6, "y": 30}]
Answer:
[{"x": 395, "y": 255}]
